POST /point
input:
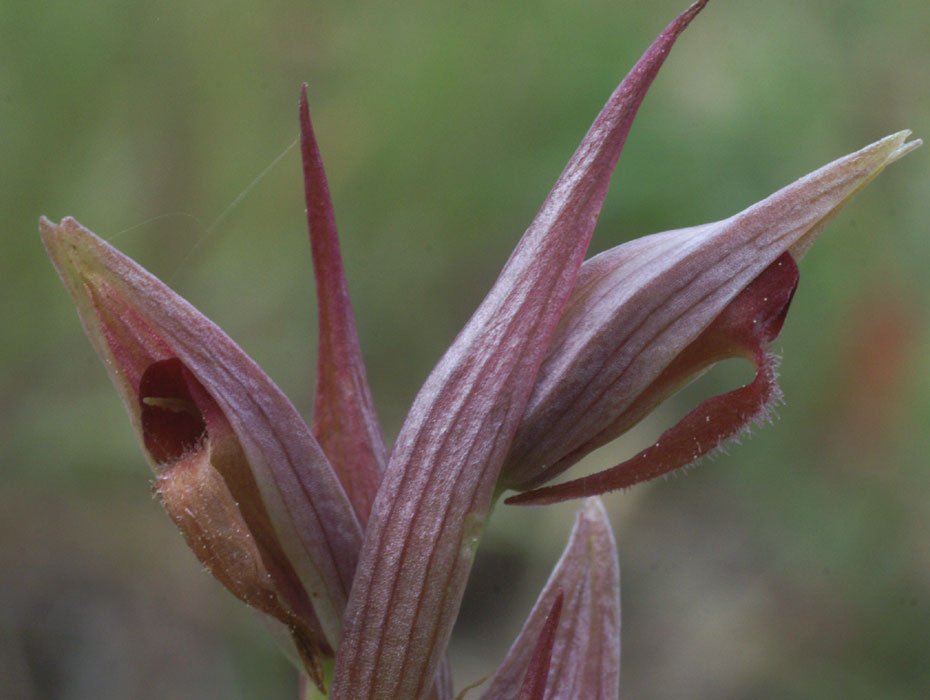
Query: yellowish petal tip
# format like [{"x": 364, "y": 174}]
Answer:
[
  {"x": 50, "y": 231},
  {"x": 904, "y": 146},
  {"x": 45, "y": 226}
]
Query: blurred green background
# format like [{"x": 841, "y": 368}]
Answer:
[{"x": 798, "y": 566}]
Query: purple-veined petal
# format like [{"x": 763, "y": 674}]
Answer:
[
  {"x": 537, "y": 671},
  {"x": 148, "y": 337},
  {"x": 442, "y": 690},
  {"x": 440, "y": 480},
  {"x": 344, "y": 419},
  {"x": 585, "y": 654},
  {"x": 638, "y": 306}
]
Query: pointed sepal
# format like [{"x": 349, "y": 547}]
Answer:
[{"x": 344, "y": 418}]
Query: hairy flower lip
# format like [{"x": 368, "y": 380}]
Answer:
[
  {"x": 636, "y": 306},
  {"x": 198, "y": 500},
  {"x": 134, "y": 321}
]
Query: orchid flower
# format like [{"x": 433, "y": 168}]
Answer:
[{"x": 360, "y": 556}]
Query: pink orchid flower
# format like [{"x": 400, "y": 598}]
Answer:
[{"x": 360, "y": 555}]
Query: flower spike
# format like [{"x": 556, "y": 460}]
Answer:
[
  {"x": 646, "y": 317},
  {"x": 585, "y": 649},
  {"x": 357, "y": 558},
  {"x": 236, "y": 467},
  {"x": 344, "y": 418},
  {"x": 441, "y": 477}
]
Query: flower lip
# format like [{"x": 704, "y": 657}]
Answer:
[{"x": 198, "y": 500}]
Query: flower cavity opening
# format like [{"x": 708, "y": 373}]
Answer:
[{"x": 172, "y": 424}]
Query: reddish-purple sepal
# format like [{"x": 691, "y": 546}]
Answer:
[
  {"x": 630, "y": 334},
  {"x": 344, "y": 419},
  {"x": 193, "y": 394},
  {"x": 585, "y": 651},
  {"x": 440, "y": 481}
]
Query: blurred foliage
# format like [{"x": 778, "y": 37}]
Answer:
[{"x": 796, "y": 567}]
